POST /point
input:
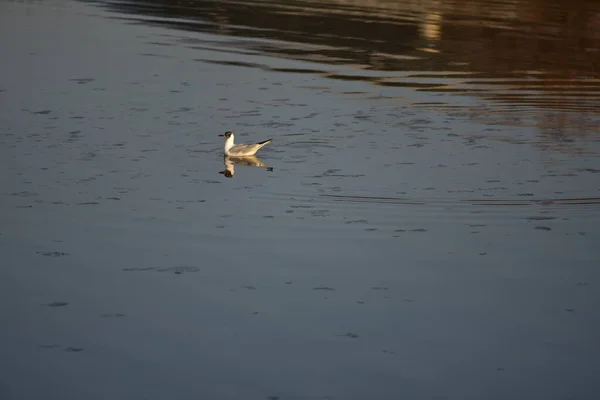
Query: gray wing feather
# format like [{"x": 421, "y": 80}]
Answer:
[{"x": 246, "y": 149}]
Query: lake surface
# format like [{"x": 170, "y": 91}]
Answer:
[{"x": 424, "y": 225}]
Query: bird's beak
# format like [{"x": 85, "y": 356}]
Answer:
[{"x": 221, "y": 135}]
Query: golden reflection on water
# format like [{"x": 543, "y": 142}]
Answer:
[
  {"x": 431, "y": 26},
  {"x": 539, "y": 58}
]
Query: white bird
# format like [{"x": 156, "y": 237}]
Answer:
[{"x": 241, "y": 150}]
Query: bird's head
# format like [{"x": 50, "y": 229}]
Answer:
[{"x": 227, "y": 134}]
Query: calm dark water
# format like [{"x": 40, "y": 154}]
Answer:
[{"x": 424, "y": 224}]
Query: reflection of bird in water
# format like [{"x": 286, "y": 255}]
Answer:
[
  {"x": 249, "y": 161},
  {"x": 241, "y": 150}
]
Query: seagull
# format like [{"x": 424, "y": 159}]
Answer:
[{"x": 241, "y": 150}]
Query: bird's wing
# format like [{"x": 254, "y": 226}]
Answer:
[{"x": 244, "y": 149}]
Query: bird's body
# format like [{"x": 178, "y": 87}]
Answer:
[{"x": 241, "y": 150}]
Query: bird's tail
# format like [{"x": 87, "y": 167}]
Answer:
[{"x": 265, "y": 142}]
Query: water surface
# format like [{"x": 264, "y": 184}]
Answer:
[{"x": 423, "y": 225}]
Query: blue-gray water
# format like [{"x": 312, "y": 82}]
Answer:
[{"x": 427, "y": 228}]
